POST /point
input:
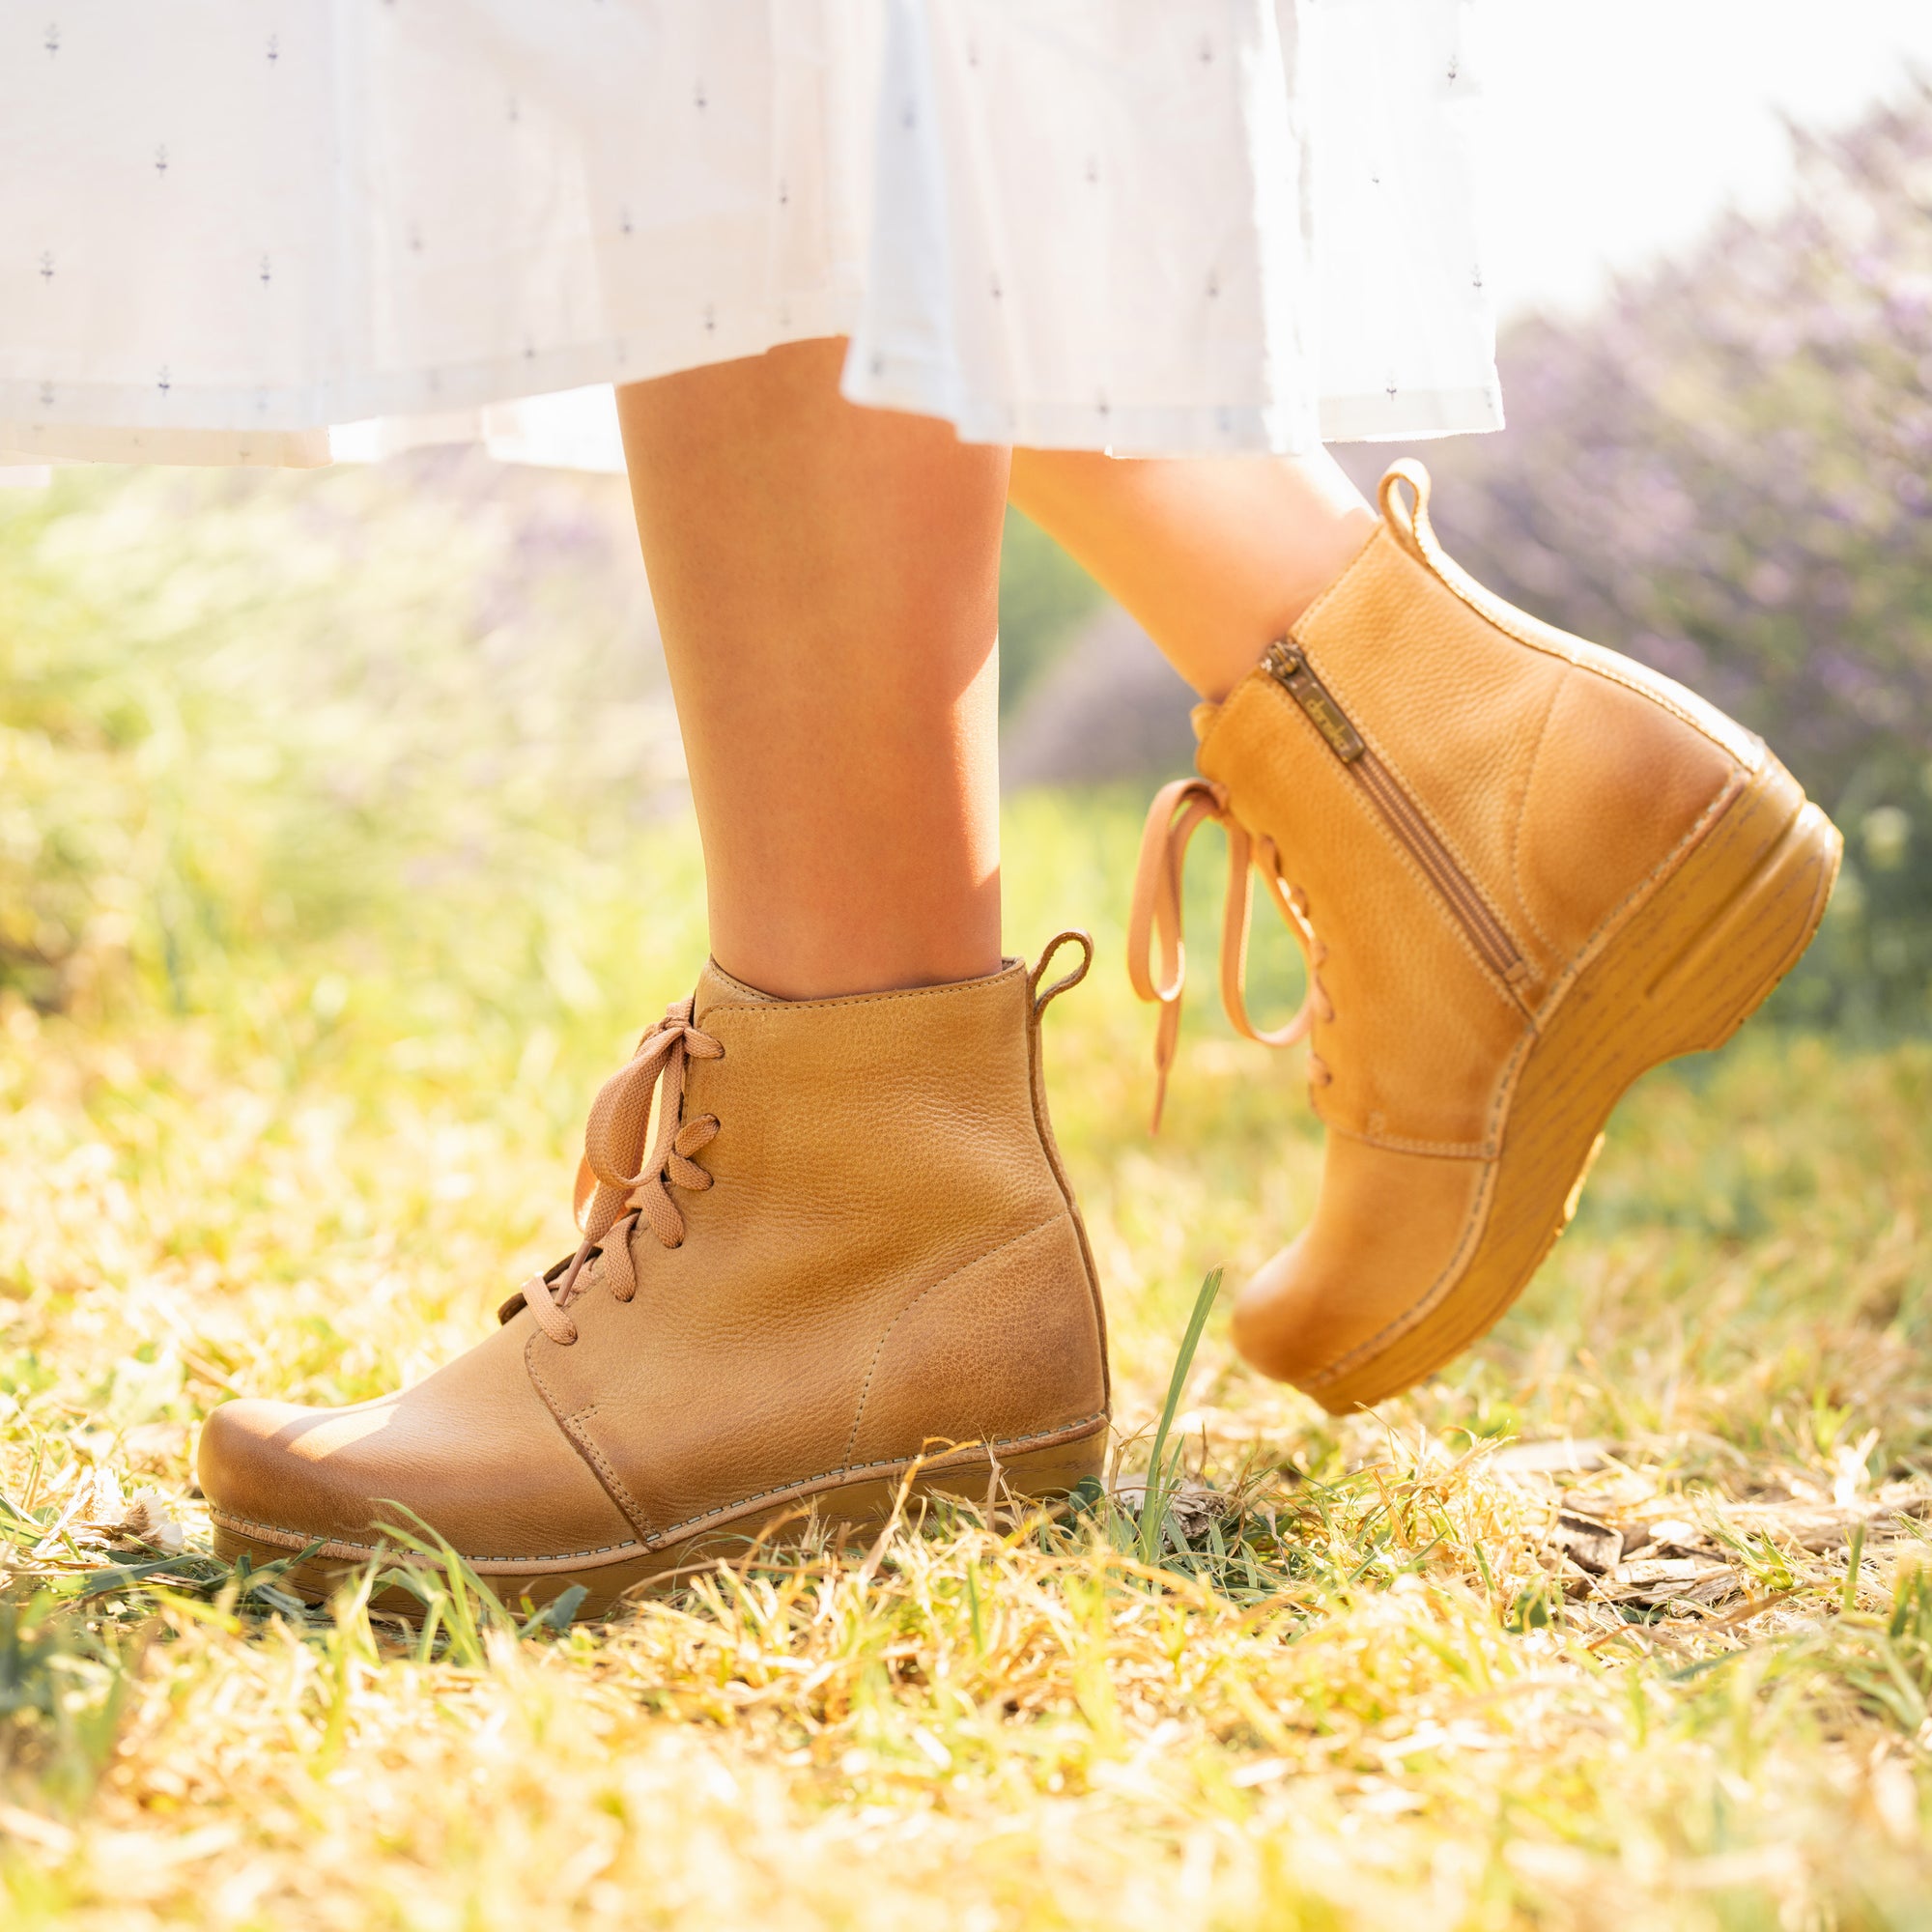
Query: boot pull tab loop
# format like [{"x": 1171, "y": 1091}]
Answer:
[
  {"x": 1041, "y": 1001},
  {"x": 1409, "y": 523}
]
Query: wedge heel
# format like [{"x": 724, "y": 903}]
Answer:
[{"x": 1680, "y": 973}]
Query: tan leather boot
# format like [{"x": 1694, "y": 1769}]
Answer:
[
  {"x": 1523, "y": 869},
  {"x": 876, "y": 1271}
]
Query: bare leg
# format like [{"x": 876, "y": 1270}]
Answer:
[
  {"x": 1214, "y": 556},
  {"x": 827, "y": 581}
]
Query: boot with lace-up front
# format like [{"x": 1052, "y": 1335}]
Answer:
[
  {"x": 1523, "y": 869},
  {"x": 846, "y": 1266}
]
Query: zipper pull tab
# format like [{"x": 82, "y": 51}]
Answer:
[{"x": 1286, "y": 664}]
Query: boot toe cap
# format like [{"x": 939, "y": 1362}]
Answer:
[
  {"x": 1389, "y": 1237},
  {"x": 306, "y": 1472},
  {"x": 473, "y": 1453}
]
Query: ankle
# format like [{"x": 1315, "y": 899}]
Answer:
[
  {"x": 1322, "y": 554},
  {"x": 824, "y": 966}
]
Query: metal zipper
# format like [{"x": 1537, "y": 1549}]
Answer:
[{"x": 1292, "y": 671}]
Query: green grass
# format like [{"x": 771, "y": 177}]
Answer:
[{"x": 1357, "y": 1678}]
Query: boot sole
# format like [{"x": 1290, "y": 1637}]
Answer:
[
  {"x": 1690, "y": 965},
  {"x": 847, "y": 1510}
]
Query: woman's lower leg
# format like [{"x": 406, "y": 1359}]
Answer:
[
  {"x": 826, "y": 578},
  {"x": 1215, "y": 556}
]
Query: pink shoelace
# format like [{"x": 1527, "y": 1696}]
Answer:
[
  {"x": 620, "y": 1182},
  {"x": 1178, "y": 810}
]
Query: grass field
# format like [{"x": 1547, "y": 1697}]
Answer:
[
  {"x": 1626, "y": 1620},
  {"x": 1374, "y": 1686}
]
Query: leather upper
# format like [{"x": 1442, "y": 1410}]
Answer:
[
  {"x": 886, "y": 1263},
  {"x": 473, "y": 1448}
]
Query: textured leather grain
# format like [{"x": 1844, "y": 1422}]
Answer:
[
  {"x": 475, "y": 1442},
  {"x": 1561, "y": 789},
  {"x": 886, "y": 1263}
]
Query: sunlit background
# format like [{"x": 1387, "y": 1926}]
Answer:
[{"x": 1618, "y": 134}]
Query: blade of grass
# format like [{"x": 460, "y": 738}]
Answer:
[
  {"x": 470, "y": 1603},
  {"x": 556, "y": 1615},
  {"x": 1154, "y": 1501}
]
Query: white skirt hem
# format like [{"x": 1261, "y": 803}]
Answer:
[{"x": 1162, "y": 227}]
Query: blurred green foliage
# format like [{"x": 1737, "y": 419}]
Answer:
[
  {"x": 1044, "y": 595},
  {"x": 238, "y": 709}
]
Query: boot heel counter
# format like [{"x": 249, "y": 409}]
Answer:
[
  {"x": 1622, "y": 779},
  {"x": 1410, "y": 529},
  {"x": 1005, "y": 1349}
]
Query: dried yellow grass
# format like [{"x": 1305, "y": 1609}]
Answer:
[{"x": 1395, "y": 1697}]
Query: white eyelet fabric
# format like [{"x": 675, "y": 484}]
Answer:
[{"x": 1159, "y": 227}]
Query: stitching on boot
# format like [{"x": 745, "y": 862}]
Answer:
[
  {"x": 613, "y": 1483},
  {"x": 302, "y": 1542},
  {"x": 1437, "y": 1292},
  {"x": 1050, "y": 1146},
  {"x": 1603, "y": 671},
  {"x": 1415, "y": 797},
  {"x": 1296, "y": 628},
  {"x": 1062, "y": 1431},
  {"x": 1594, "y": 945},
  {"x": 1522, "y": 812},
  {"x": 1407, "y": 858},
  {"x": 774, "y": 1008},
  {"x": 619, "y": 1489},
  {"x": 1485, "y": 1149},
  {"x": 1605, "y": 930},
  {"x": 1573, "y": 650},
  {"x": 865, "y": 1389}
]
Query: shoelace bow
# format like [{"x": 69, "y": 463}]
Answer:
[
  {"x": 1178, "y": 810},
  {"x": 619, "y": 1182}
]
